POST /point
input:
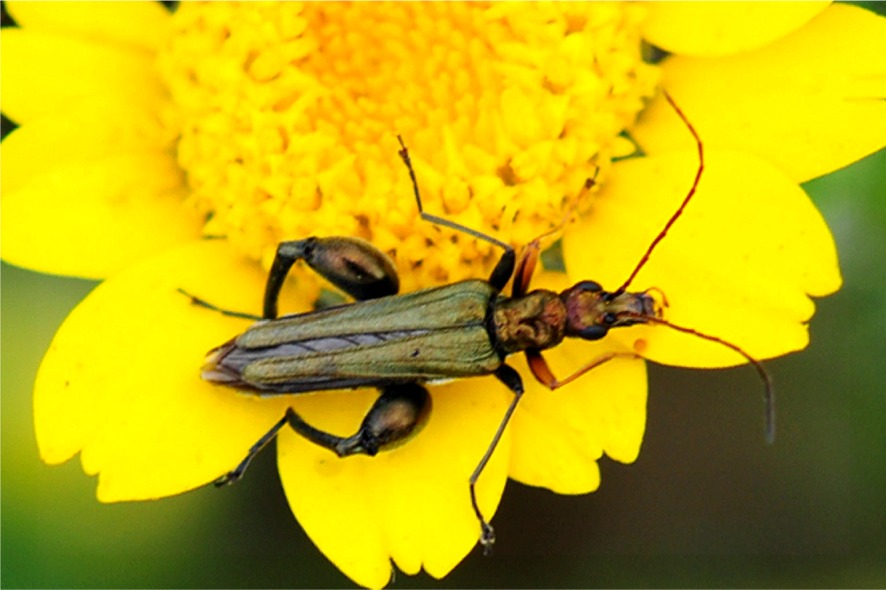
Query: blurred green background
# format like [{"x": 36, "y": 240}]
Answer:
[{"x": 707, "y": 504}]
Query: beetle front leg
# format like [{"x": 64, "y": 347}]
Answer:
[
  {"x": 353, "y": 265},
  {"x": 511, "y": 378},
  {"x": 542, "y": 372}
]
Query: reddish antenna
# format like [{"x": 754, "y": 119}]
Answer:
[
  {"x": 769, "y": 394},
  {"x": 679, "y": 211}
]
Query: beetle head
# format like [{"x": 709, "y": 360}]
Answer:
[{"x": 591, "y": 311}]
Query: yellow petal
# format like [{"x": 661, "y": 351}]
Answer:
[
  {"x": 41, "y": 72},
  {"x": 91, "y": 219},
  {"x": 811, "y": 102},
  {"x": 410, "y": 504},
  {"x": 559, "y": 435},
  {"x": 130, "y": 24},
  {"x": 720, "y": 28},
  {"x": 121, "y": 381},
  {"x": 79, "y": 132},
  {"x": 739, "y": 264}
]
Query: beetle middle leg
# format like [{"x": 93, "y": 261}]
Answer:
[
  {"x": 230, "y": 313},
  {"x": 503, "y": 270},
  {"x": 500, "y": 276},
  {"x": 395, "y": 417}
]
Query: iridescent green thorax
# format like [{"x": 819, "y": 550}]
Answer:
[{"x": 536, "y": 320}]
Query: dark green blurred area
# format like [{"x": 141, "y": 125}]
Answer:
[{"x": 707, "y": 504}]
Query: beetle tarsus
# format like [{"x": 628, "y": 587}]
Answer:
[
  {"x": 487, "y": 533},
  {"x": 228, "y": 478},
  {"x": 487, "y": 537}
]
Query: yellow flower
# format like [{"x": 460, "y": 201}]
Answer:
[{"x": 144, "y": 133}]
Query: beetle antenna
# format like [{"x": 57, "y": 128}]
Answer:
[
  {"x": 768, "y": 393},
  {"x": 679, "y": 211}
]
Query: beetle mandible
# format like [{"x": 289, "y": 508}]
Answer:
[{"x": 397, "y": 343}]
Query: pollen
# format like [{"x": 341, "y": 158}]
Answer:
[{"x": 288, "y": 115}]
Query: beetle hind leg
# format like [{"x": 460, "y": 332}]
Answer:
[
  {"x": 395, "y": 417},
  {"x": 353, "y": 265},
  {"x": 236, "y": 473}
]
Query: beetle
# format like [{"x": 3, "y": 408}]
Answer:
[{"x": 398, "y": 343}]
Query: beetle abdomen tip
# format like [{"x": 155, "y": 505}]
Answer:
[{"x": 215, "y": 371}]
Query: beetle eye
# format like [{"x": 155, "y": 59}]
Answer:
[
  {"x": 609, "y": 318},
  {"x": 592, "y": 286},
  {"x": 594, "y": 332}
]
